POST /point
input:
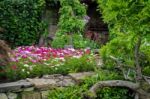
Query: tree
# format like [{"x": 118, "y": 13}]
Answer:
[{"x": 129, "y": 27}]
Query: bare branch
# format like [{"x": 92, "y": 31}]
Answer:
[
  {"x": 147, "y": 79},
  {"x": 123, "y": 68}
]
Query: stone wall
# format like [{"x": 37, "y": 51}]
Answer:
[
  {"x": 51, "y": 17},
  {"x": 38, "y": 88}
]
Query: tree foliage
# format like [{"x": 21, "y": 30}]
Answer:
[{"x": 128, "y": 22}]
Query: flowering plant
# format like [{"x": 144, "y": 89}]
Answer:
[{"x": 31, "y": 61}]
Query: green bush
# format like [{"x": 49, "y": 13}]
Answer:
[
  {"x": 20, "y": 70},
  {"x": 60, "y": 41},
  {"x": 78, "y": 41},
  {"x": 21, "y": 20},
  {"x": 73, "y": 65},
  {"x": 84, "y": 63}
]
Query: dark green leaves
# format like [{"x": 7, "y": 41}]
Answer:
[{"x": 22, "y": 21}]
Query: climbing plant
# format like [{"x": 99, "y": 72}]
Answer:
[
  {"x": 71, "y": 23},
  {"x": 21, "y": 20}
]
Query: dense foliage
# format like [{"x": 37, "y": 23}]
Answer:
[
  {"x": 21, "y": 20},
  {"x": 128, "y": 24},
  {"x": 78, "y": 41},
  {"x": 71, "y": 17},
  {"x": 71, "y": 25}
]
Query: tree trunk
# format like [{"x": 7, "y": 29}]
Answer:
[{"x": 137, "y": 64}]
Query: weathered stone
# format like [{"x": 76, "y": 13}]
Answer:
[
  {"x": 3, "y": 96},
  {"x": 44, "y": 94},
  {"x": 43, "y": 84},
  {"x": 66, "y": 81},
  {"x": 29, "y": 89},
  {"x": 12, "y": 95},
  {"x": 61, "y": 81},
  {"x": 31, "y": 95},
  {"x": 14, "y": 86},
  {"x": 78, "y": 77},
  {"x": 54, "y": 76}
]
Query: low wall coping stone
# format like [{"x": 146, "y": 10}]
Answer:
[{"x": 13, "y": 86}]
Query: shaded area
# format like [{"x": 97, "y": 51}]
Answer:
[{"x": 96, "y": 29}]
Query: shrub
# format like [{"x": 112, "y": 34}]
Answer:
[
  {"x": 21, "y": 20},
  {"x": 84, "y": 63},
  {"x": 78, "y": 41}
]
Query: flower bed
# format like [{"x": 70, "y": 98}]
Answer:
[
  {"x": 41, "y": 54},
  {"x": 31, "y": 61}
]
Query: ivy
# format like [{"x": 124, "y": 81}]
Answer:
[{"x": 21, "y": 20}]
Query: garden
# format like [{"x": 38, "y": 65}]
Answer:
[{"x": 80, "y": 58}]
